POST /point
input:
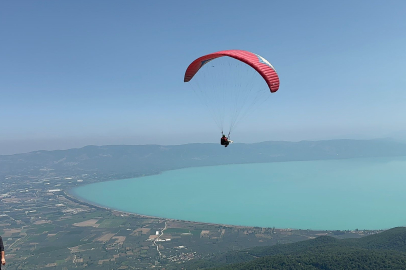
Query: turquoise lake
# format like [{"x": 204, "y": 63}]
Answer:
[{"x": 346, "y": 194}]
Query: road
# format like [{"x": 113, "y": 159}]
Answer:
[{"x": 157, "y": 245}]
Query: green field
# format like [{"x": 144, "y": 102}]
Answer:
[
  {"x": 177, "y": 230},
  {"x": 110, "y": 223},
  {"x": 45, "y": 228}
]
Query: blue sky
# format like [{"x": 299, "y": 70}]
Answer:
[{"x": 74, "y": 73}]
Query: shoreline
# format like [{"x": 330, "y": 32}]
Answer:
[
  {"x": 70, "y": 195},
  {"x": 75, "y": 199}
]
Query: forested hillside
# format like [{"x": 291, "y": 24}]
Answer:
[{"x": 386, "y": 250}]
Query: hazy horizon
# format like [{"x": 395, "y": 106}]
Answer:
[
  {"x": 19, "y": 147},
  {"x": 114, "y": 73}
]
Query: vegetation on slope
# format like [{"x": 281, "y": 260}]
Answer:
[{"x": 386, "y": 250}]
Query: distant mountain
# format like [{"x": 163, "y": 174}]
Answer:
[
  {"x": 148, "y": 159},
  {"x": 399, "y": 136},
  {"x": 386, "y": 250}
]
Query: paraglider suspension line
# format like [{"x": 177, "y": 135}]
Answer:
[{"x": 228, "y": 135}]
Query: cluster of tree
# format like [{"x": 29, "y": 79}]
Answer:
[
  {"x": 386, "y": 250},
  {"x": 334, "y": 258}
]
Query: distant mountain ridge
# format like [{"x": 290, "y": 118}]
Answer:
[{"x": 148, "y": 159}]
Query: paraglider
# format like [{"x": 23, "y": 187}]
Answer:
[
  {"x": 225, "y": 141},
  {"x": 232, "y": 86}
]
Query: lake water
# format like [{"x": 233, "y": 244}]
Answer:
[{"x": 330, "y": 194}]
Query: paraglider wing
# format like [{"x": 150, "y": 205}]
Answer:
[{"x": 257, "y": 62}]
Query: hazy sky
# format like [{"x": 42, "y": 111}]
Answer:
[{"x": 74, "y": 73}]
